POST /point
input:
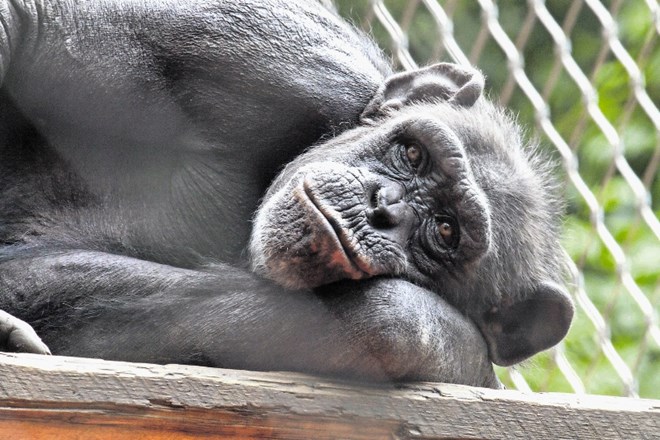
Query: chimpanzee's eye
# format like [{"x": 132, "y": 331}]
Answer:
[
  {"x": 448, "y": 230},
  {"x": 414, "y": 154}
]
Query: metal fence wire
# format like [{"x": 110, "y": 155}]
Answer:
[{"x": 586, "y": 75}]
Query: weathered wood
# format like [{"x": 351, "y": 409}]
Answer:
[{"x": 44, "y": 397}]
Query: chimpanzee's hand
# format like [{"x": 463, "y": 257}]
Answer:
[{"x": 17, "y": 335}]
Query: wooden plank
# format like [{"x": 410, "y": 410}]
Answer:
[{"x": 50, "y": 397}]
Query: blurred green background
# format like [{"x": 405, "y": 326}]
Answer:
[{"x": 626, "y": 326}]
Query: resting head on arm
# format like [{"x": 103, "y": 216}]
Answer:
[{"x": 436, "y": 187}]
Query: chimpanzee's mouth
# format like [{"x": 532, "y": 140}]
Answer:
[{"x": 356, "y": 266}]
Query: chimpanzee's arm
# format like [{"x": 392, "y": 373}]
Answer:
[{"x": 97, "y": 304}]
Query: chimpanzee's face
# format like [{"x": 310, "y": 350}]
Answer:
[{"x": 398, "y": 198}]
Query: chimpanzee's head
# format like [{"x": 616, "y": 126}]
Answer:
[{"x": 435, "y": 186}]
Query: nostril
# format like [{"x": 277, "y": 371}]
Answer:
[
  {"x": 374, "y": 197},
  {"x": 380, "y": 218}
]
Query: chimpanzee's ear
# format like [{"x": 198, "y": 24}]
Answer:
[
  {"x": 442, "y": 81},
  {"x": 517, "y": 331}
]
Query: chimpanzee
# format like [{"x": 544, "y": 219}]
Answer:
[{"x": 415, "y": 238}]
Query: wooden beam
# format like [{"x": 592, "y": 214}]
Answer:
[{"x": 51, "y": 397}]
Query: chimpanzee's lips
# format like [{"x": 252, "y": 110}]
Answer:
[{"x": 353, "y": 264}]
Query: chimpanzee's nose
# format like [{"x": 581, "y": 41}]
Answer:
[{"x": 388, "y": 213}]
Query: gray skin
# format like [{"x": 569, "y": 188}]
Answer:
[{"x": 136, "y": 141}]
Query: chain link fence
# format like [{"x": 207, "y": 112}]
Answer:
[{"x": 585, "y": 74}]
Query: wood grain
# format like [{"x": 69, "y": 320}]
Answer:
[{"x": 50, "y": 397}]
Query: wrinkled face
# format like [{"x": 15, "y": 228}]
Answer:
[{"x": 398, "y": 198}]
